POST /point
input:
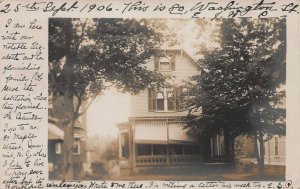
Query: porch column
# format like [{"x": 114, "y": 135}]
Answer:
[
  {"x": 168, "y": 154},
  {"x": 133, "y": 146}
]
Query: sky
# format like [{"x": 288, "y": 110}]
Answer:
[
  {"x": 106, "y": 111},
  {"x": 113, "y": 107}
]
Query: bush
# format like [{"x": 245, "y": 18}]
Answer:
[{"x": 98, "y": 171}]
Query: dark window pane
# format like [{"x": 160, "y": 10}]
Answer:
[
  {"x": 176, "y": 149},
  {"x": 171, "y": 103},
  {"x": 160, "y": 104},
  {"x": 144, "y": 149},
  {"x": 191, "y": 149},
  {"x": 76, "y": 146},
  {"x": 159, "y": 149}
]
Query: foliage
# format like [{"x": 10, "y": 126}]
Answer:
[
  {"x": 241, "y": 85},
  {"x": 238, "y": 86},
  {"x": 102, "y": 51},
  {"x": 112, "y": 151},
  {"x": 88, "y": 56}
]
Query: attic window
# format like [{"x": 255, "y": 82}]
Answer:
[
  {"x": 164, "y": 66},
  {"x": 165, "y": 63}
]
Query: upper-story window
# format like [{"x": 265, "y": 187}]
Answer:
[
  {"x": 165, "y": 99},
  {"x": 165, "y": 63}
]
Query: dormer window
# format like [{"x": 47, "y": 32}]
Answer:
[{"x": 165, "y": 63}]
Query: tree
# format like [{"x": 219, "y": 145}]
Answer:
[
  {"x": 88, "y": 56},
  {"x": 238, "y": 87}
]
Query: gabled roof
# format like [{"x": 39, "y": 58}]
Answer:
[{"x": 182, "y": 52}]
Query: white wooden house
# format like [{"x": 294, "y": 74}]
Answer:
[
  {"x": 275, "y": 151},
  {"x": 153, "y": 135}
]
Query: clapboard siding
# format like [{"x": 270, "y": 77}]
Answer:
[
  {"x": 184, "y": 69},
  {"x": 270, "y": 157}
]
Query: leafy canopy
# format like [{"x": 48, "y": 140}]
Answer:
[
  {"x": 239, "y": 85},
  {"x": 87, "y": 56}
]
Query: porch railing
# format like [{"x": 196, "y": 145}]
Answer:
[
  {"x": 183, "y": 160},
  {"x": 163, "y": 160},
  {"x": 151, "y": 160}
]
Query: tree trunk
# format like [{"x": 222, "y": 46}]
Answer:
[
  {"x": 69, "y": 138},
  {"x": 70, "y": 157},
  {"x": 259, "y": 150},
  {"x": 68, "y": 71}
]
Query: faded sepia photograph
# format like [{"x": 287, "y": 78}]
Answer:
[{"x": 167, "y": 99}]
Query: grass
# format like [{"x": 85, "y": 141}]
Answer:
[{"x": 208, "y": 172}]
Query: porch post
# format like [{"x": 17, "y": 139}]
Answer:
[
  {"x": 168, "y": 154},
  {"x": 132, "y": 145}
]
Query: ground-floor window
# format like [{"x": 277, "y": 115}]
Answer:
[
  {"x": 76, "y": 146},
  {"x": 144, "y": 149},
  {"x": 176, "y": 149},
  {"x": 159, "y": 149},
  {"x": 191, "y": 149},
  {"x": 162, "y": 149}
]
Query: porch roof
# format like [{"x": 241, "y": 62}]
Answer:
[
  {"x": 160, "y": 132},
  {"x": 153, "y": 132},
  {"x": 54, "y": 132}
]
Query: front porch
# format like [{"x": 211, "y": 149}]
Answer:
[{"x": 145, "y": 144}]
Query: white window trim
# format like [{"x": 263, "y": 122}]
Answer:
[
  {"x": 164, "y": 60},
  {"x": 58, "y": 148},
  {"x": 160, "y": 68},
  {"x": 164, "y": 91}
]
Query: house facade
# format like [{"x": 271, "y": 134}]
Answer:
[
  {"x": 57, "y": 153},
  {"x": 275, "y": 151},
  {"x": 154, "y": 134}
]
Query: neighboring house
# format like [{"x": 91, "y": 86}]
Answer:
[
  {"x": 57, "y": 153},
  {"x": 275, "y": 151},
  {"x": 154, "y": 135}
]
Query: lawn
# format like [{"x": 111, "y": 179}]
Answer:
[{"x": 208, "y": 172}]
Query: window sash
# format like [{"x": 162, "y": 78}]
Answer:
[
  {"x": 165, "y": 100},
  {"x": 76, "y": 146},
  {"x": 164, "y": 66}
]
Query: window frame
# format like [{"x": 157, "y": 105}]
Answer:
[
  {"x": 164, "y": 59},
  {"x": 171, "y": 99},
  {"x": 58, "y": 146},
  {"x": 276, "y": 146},
  {"x": 77, "y": 140}
]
